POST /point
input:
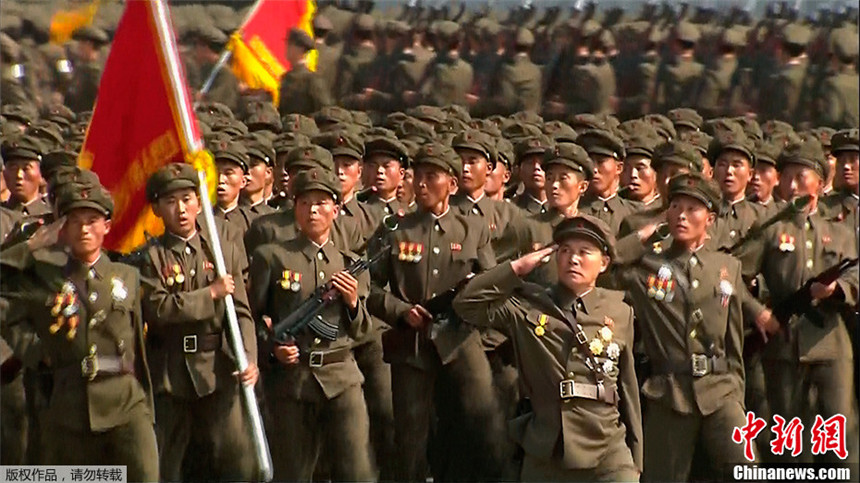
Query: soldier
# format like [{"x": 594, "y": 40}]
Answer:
[
  {"x": 838, "y": 99},
  {"x": 313, "y": 382},
  {"x": 385, "y": 161},
  {"x": 231, "y": 160},
  {"x": 690, "y": 302},
  {"x": 328, "y": 51},
  {"x": 302, "y": 91},
  {"x": 100, "y": 410},
  {"x": 807, "y": 353},
  {"x": 352, "y": 74},
  {"x": 718, "y": 94},
  {"x": 678, "y": 79},
  {"x": 519, "y": 82},
  {"x": 196, "y": 389},
  {"x": 784, "y": 93},
  {"x": 530, "y": 152},
  {"x": 602, "y": 201},
  {"x": 258, "y": 189},
  {"x": 84, "y": 87},
  {"x": 595, "y": 385},
  {"x": 209, "y": 42},
  {"x": 500, "y": 176},
  {"x": 639, "y": 175},
  {"x": 842, "y": 204},
  {"x": 686, "y": 121},
  {"x": 433, "y": 250},
  {"x": 449, "y": 78},
  {"x": 23, "y": 176},
  {"x": 765, "y": 177}
]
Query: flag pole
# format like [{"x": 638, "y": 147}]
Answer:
[
  {"x": 193, "y": 144},
  {"x": 225, "y": 56}
]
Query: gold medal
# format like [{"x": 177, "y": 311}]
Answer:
[
  {"x": 540, "y": 331},
  {"x": 180, "y": 278}
]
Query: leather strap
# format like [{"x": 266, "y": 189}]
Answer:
[
  {"x": 698, "y": 365},
  {"x": 95, "y": 366},
  {"x": 568, "y": 389},
  {"x": 320, "y": 358}
]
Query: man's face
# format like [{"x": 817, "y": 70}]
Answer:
[
  {"x": 475, "y": 170},
  {"x": 688, "y": 219},
  {"x": 315, "y": 212},
  {"x": 84, "y": 231},
  {"x": 406, "y": 188},
  {"x": 178, "y": 210},
  {"x": 733, "y": 171},
  {"x": 666, "y": 172},
  {"x": 831, "y": 162},
  {"x": 639, "y": 176},
  {"x": 531, "y": 173},
  {"x": 348, "y": 171},
  {"x": 497, "y": 179},
  {"x": 280, "y": 173},
  {"x": 580, "y": 261},
  {"x": 607, "y": 170},
  {"x": 231, "y": 181},
  {"x": 707, "y": 169},
  {"x": 385, "y": 173},
  {"x": 764, "y": 180},
  {"x": 564, "y": 186},
  {"x": 24, "y": 179},
  {"x": 847, "y": 170},
  {"x": 796, "y": 180},
  {"x": 259, "y": 176},
  {"x": 432, "y": 185}
]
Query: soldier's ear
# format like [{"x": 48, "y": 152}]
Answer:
[
  {"x": 712, "y": 218},
  {"x": 604, "y": 263},
  {"x": 107, "y": 226},
  {"x": 583, "y": 187}
]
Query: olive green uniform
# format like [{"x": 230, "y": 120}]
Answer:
[
  {"x": 677, "y": 83},
  {"x": 449, "y": 80},
  {"x": 84, "y": 87},
  {"x": 613, "y": 210},
  {"x": 303, "y": 92},
  {"x": 839, "y": 100}
]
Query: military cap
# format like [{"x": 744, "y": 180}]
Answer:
[
  {"x": 431, "y": 114},
  {"x": 92, "y": 34},
  {"x": 528, "y": 117},
  {"x": 490, "y": 29},
  {"x": 310, "y": 156},
  {"x": 341, "y": 143},
  {"x": 215, "y": 108},
  {"x": 389, "y": 145},
  {"x": 588, "y": 227},
  {"x": 288, "y": 140},
  {"x": 700, "y": 140},
  {"x": 259, "y": 148},
  {"x": 233, "y": 151},
  {"x": 322, "y": 23},
  {"x": 364, "y": 23},
  {"x": 599, "y": 141},
  {"x": 477, "y": 141},
  {"x": 845, "y": 140},
  {"x": 687, "y": 32},
  {"x": 22, "y": 147},
  {"x": 734, "y": 140},
  {"x": 397, "y": 27},
  {"x": 412, "y": 147},
  {"x": 767, "y": 152},
  {"x": 734, "y": 36},
  {"x": 559, "y": 131},
  {"x": 571, "y": 155},
  {"x": 230, "y": 127},
  {"x": 458, "y": 112},
  {"x": 751, "y": 127},
  {"x": 662, "y": 124},
  {"x": 637, "y": 127},
  {"x": 452, "y": 126},
  {"x": 519, "y": 130},
  {"x": 59, "y": 114},
  {"x": 589, "y": 27},
  {"x": 695, "y": 186},
  {"x": 441, "y": 156},
  {"x": 316, "y": 179},
  {"x": 415, "y": 128},
  {"x": 447, "y": 29},
  {"x": 54, "y": 161},
  {"x": 210, "y": 35},
  {"x": 604, "y": 41},
  {"x": 680, "y": 153},
  {"x": 47, "y": 131},
  {"x": 69, "y": 174},
  {"x": 537, "y": 144},
  {"x": 361, "y": 119},
  {"x": 524, "y": 38},
  {"x": 9, "y": 48},
  {"x": 300, "y": 38},
  {"x": 487, "y": 127},
  {"x": 642, "y": 144},
  {"x": 808, "y": 154},
  {"x": 169, "y": 178},
  {"x": 264, "y": 116},
  {"x": 332, "y": 115},
  {"x": 796, "y": 34},
  {"x": 684, "y": 116},
  {"x": 394, "y": 119},
  {"x": 505, "y": 152},
  {"x": 844, "y": 43},
  {"x": 378, "y": 131},
  {"x": 583, "y": 122},
  {"x": 297, "y": 123},
  {"x": 24, "y": 114},
  {"x": 84, "y": 195}
]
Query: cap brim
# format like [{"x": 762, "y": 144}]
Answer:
[
  {"x": 78, "y": 204},
  {"x": 318, "y": 186},
  {"x": 709, "y": 204},
  {"x": 439, "y": 164},
  {"x": 584, "y": 233},
  {"x": 845, "y": 147},
  {"x": 568, "y": 163}
]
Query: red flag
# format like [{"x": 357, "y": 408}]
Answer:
[{"x": 142, "y": 120}]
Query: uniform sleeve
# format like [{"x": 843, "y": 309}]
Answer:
[
  {"x": 360, "y": 323},
  {"x": 486, "y": 256},
  {"x": 829, "y": 105},
  {"x": 258, "y": 283},
  {"x": 848, "y": 281},
  {"x": 238, "y": 265},
  {"x": 708, "y": 97},
  {"x": 735, "y": 333},
  {"x": 141, "y": 365},
  {"x": 320, "y": 93},
  {"x": 486, "y": 300},
  {"x": 630, "y": 407}
]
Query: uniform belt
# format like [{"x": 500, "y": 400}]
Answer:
[
  {"x": 697, "y": 366},
  {"x": 568, "y": 389},
  {"x": 190, "y": 344},
  {"x": 320, "y": 358},
  {"x": 95, "y": 366}
]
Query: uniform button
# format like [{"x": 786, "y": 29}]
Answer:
[
  {"x": 320, "y": 255},
  {"x": 693, "y": 261},
  {"x": 388, "y": 210},
  {"x": 436, "y": 227},
  {"x": 342, "y": 213},
  {"x": 809, "y": 264},
  {"x": 436, "y": 272},
  {"x": 605, "y": 208},
  {"x": 93, "y": 297},
  {"x": 317, "y": 341},
  {"x": 475, "y": 211},
  {"x": 93, "y": 322},
  {"x": 322, "y": 274},
  {"x": 733, "y": 233},
  {"x": 432, "y": 294},
  {"x": 808, "y": 243},
  {"x": 693, "y": 334},
  {"x": 695, "y": 284},
  {"x": 192, "y": 272},
  {"x": 436, "y": 250},
  {"x": 570, "y": 374},
  {"x": 91, "y": 274},
  {"x": 188, "y": 250},
  {"x": 806, "y": 226}
]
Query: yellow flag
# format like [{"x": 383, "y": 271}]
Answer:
[{"x": 65, "y": 22}]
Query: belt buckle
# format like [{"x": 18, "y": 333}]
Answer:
[
  {"x": 565, "y": 389},
  {"x": 90, "y": 367},
  {"x": 189, "y": 344},
  {"x": 699, "y": 365},
  {"x": 316, "y": 359}
]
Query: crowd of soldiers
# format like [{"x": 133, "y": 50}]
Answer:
[{"x": 581, "y": 251}]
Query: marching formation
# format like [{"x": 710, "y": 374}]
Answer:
[{"x": 462, "y": 248}]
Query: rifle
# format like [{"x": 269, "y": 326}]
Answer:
[
  {"x": 306, "y": 314},
  {"x": 801, "y": 302},
  {"x": 790, "y": 210},
  {"x": 441, "y": 307}
]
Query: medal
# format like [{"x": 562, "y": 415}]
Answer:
[
  {"x": 419, "y": 248},
  {"x": 608, "y": 366},
  {"x": 118, "y": 291},
  {"x": 295, "y": 286},
  {"x": 726, "y": 291},
  {"x": 786, "y": 243},
  {"x": 613, "y": 351},
  {"x": 402, "y": 255},
  {"x": 596, "y": 346},
  {"x": 540, "y": 330}
]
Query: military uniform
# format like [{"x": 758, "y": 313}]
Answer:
[
  {"x": 449, "y": 78},
  {"x": 839, "y": 97},
  {"x": 785, "y": 92},
  {"x": 678, "y": 81},
  {"x": 196, "y": 394},
  {"x": 613, "y": 209},
  {"x": 319, "y": 402},
  {"x": 302, "y": 92},
  {"x": 583, "y": 424}
]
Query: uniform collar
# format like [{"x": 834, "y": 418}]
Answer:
[
  {"x": 177, "y": 244},
  {"x": 349, "y": 208},
  {"x": 680, "y": 254},
  {"x": 311, "y": 250},
  {"x": 443, "y": 221},
  {"x": 96, "y": 270},
  {"x": 567, "y": 300}
]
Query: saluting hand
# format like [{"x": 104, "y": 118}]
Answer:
[
  {"x": 46, "y": 235},
  {"x": 287, "y": 353},
  {"x": 222, "y": 287},
  {"x": 347, "y": 285},
  {"x": 525, "y": 264}
]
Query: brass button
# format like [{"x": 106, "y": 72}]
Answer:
[
  {"x": 809, "y": 264},
  {"x": 436, "y": 272},
  {"x": 695, "y": 284},
  {"x": 693, "y": 261},
  {"x": 93, "y": 297},
  {"x": 320, "y": 255},
  {"x": 809, "y": 244},
  {"x": 436, "y": 250},
  {"x": 733, "y": 233},
  {"x": 322, "y": 275},
  {"x": 188, "y": 250}
]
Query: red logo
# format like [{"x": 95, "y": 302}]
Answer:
[
  {"x": 787, "y": 437},
  {"x": 747, "y": 433},
  {"x": 829, "y": 435}
]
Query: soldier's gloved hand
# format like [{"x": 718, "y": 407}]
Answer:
[
  {"x": 287, "y": 353},
  {"x": 347, "y": 285},
  {"x": 525, "y": 264},
  {"x": 418, "y": 317},
  {"x": 222, "y": 287},
  {"x": 249, "y": 376},
  {"x": 820, "y": 291}
]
